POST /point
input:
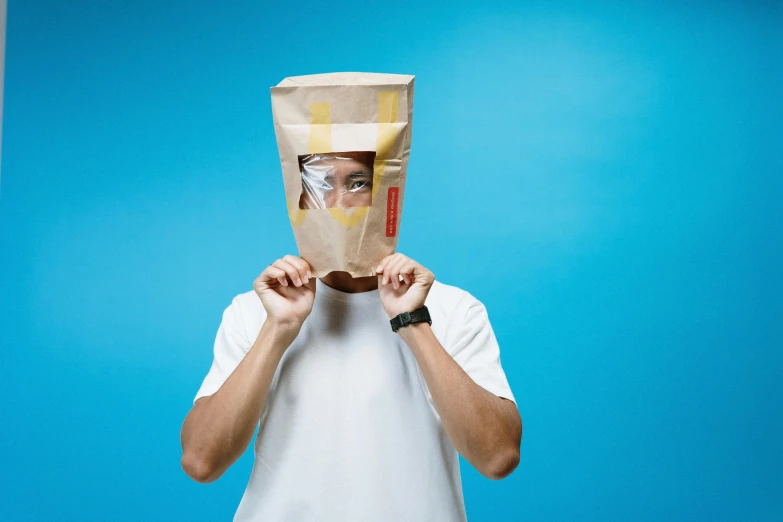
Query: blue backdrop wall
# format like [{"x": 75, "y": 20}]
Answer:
[{"x": 605, "y": 177}]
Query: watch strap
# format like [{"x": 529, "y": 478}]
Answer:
[{"x": 420, "y": 315}]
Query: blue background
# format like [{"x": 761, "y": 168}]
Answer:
[{"x": 605, "y": 177}]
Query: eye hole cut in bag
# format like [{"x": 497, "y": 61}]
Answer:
[
  {"x": 336, "y": 179},
  {"x": 344, "y": 142}
]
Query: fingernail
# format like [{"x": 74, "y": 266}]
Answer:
[
  {"x": 309, "y": 275},
  {"x": 380, "y": 267}
]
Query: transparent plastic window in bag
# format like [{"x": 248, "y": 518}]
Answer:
[{"x": 336, "y": 179}]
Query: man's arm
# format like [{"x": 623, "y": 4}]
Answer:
[
  {"x": 219, "y": 428},
  {"x": 484, "y": 428}
]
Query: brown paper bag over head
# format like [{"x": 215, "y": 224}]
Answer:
[{"x": 344, "y": 141}]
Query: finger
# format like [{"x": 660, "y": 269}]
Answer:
[
  {"x": 417, "y": 272},
  {"x": 270, "y": 274},
  {"x": 389, "y": 267},
  {"x": 393, "y": 270},
  {"x": 399, "y": 268},
  {"x": 278, "y": 274},
  {"x": 383, "y": 263},
  {"x": 300, "y": 265},
  {"x": 290, "y": 271},
  {"x": 383, "y": 268},
  {"x": 408, "y": 270}
]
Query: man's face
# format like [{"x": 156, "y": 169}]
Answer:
[{"x": 336, "y": 179}]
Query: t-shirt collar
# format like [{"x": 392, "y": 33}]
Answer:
[{"x": 327, "y": 291}]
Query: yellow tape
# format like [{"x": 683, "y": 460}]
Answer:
[
  {"x": 320, "y": 113},
  {"x": 320, "y": 128},
  {"x": 321, "y": 141},
  {"x": 387, "y": 115},
  {"x": 388, "y": 103}
]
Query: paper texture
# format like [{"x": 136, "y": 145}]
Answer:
[{"x": 368, "y": 118}]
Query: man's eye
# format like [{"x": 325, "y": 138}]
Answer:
[{"x": 358, "y": 185}]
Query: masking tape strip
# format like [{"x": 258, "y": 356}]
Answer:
[
  {"x": 320, "y": 128},
  {"x": 388, "y": 103}
]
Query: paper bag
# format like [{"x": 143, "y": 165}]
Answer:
[{"x": 344, "y": 141}]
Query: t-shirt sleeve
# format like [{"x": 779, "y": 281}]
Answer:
[
  {"x": 475, "y": 348},
  {"x": 231, "y": 345}
]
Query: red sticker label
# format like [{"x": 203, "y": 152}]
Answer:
[{"x": 391, "y": 211}]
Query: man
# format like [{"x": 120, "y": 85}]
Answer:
[
  {"x": 359, "y": 419},
  {"x": 356, "y": 422}
]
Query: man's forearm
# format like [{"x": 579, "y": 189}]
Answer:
[
  {"x": 484, "y": 428},
  {"x": 219, "y": 428}
]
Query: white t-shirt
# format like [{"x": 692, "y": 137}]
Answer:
[{"x": 349, "y": 431}]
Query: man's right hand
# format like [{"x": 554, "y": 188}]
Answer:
[{"x": 287, "y": 289}]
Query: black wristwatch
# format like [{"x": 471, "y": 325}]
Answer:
[{"x": 420, "y": 315}]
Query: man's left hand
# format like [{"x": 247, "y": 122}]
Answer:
[{"x": 403, "y": 284}]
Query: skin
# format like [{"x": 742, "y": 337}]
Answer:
[
  {"x": 348, "y": 174},
  {"x": 485, "y": 429}
]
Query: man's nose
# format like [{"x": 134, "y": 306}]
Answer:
[{"x": 332, "y": 198}]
